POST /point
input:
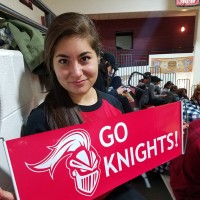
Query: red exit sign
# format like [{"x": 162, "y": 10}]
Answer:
[{"x": 187, "y": 3}]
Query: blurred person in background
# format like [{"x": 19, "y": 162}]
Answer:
[
  {"x": 156, "y": 81},
  {"x": 166, "y": 88},
  {"x": 185, "y": 169},
  {"x": 191, "y": 108},
  {"x": 155, "y": 99},
  {"x": 108, "y": 82},
  {"x": 172, "y": 96},
  {"x": 182, "y": 93}
]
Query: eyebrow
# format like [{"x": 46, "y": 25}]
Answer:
[
  {"x": 86, "y": 52},
  {"x": 65, "y": 56},
  {"x": 62, "y": 55}
]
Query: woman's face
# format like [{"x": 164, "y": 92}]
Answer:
[
  {"x": 110, "y": 70},
  {"x": 76, "y": 65}
]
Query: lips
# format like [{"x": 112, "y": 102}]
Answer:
[{"x": 80, "y": 81}]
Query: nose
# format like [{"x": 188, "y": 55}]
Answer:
[{"x": 76, "y": 69}]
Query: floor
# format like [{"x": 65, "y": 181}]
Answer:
[
  {"x": 166, "y": 181},
  {"x": 159, "y": 186}
]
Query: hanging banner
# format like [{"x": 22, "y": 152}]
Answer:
[
  {"x": 171, "y": 63},
  {"x": 88, "y": 160}
]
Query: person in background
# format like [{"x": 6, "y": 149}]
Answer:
[
  {"x": 102, "y": 80},
  {"x": 155, "y": 99},
  {"x": 112, "y": 84},
  {"x": 156, "y": 81},
  {"x": 182, "y": 93},
  {"x": 5, "y": 195},
  {"x": 142, "y": 91},
  {"x": 172, "y": 96},
  {"x": 184, "y": 170},
  {"x": 191, "y": 108},
  {"x": 72, "y": 53},
  {"x": 174, "y": 90},
  {"x": 106, "y": 73},
  {"x": 166, "y": 88}
]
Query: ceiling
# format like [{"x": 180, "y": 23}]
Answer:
[{"x": 130, "y": 15}]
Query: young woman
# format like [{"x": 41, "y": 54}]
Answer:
[{"x": 72, "y": 53}]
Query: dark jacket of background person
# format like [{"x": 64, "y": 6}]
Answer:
[
  {"x": 185, "y": 169},
  {"x": 172, "y": 96},
  {"x": 156, "y": 81},
  {"x": 142, "y": 96},
  {"x": 153, "y": 98},
  {"x": 116, "y": 82},
  {"x": 151, "y": 94},
  {"x": 166, "y": 88}
]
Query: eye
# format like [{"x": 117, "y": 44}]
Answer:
[
  {"x": 63, "y": 61},
  {"x": 85, "y": 58}
]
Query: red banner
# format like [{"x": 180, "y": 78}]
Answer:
[{"x": 85, "y": 161}]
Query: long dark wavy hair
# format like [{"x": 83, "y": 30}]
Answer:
[
  {"x": 196, "y": 93},
  {"x": 60, "y": 110}
]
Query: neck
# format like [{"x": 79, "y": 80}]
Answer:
[{"x": 87, "y": 99}]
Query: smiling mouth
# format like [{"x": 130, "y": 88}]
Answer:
[{"x": 78, "y": 81}]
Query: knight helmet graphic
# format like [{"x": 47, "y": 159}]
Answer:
[{"x": 82, "y": 160}]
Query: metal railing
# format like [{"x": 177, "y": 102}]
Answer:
[{"x": 126, "y": 57}]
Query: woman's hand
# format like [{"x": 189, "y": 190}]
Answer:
[
  {"x": 185, "y": 125},
  {"x": 120, "y": 90},
  {"x": 163, "y": 95},
  {"x": 5, "y": 195}
]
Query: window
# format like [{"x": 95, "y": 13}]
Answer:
[{"x": 124, "y": 40}]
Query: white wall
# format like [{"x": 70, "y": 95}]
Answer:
[
  {"x": 20, "y": 92},
  {"x": 196, "y": 67},
  {"x": 110, "y": 6}
]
